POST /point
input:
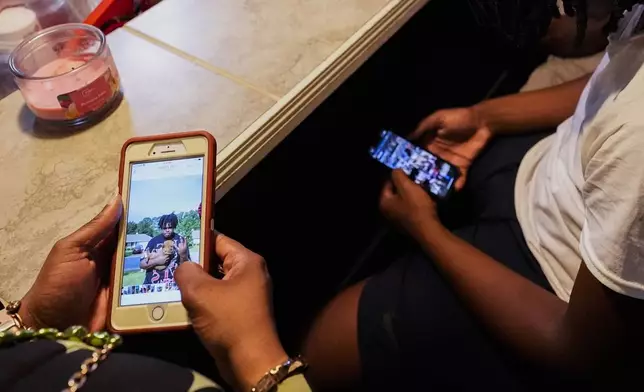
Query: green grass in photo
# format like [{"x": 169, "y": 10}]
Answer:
[{"x": 133, "y": 278}]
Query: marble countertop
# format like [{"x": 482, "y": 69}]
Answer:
[{"x": 247, "y": 71}]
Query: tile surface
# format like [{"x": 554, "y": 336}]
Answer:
[
  {"x": 53, "y": 183},
  {"x": 270, "y": 43},
  {"x": 218, "y": 65}
]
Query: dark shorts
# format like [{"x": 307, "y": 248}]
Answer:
[{"x": 413, "y": 330}]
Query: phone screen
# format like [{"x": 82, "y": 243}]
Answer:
[
  {"x": 163, "y": 228},
  {"x": 435, "y": 175}
]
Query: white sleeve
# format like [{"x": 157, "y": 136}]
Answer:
[{"x": 612, "y": 237}]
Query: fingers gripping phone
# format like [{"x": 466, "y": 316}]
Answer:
[
  {"x": 167, "y": 184},
  {"x": 432, "y": 173}
]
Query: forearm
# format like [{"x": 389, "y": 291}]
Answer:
[
  {"x": 533, "y": 110},
  {"x": 151, "y": 263},
  {"x": 516, "y": 311}
]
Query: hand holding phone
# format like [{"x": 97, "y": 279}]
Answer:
[
  {"x": 408, "y": 205},
  {"x": 457, "y": 135},
  {"x": 432, "y": 173},
  {"x": 70, "y": 288},
  {"x": 233, "y": 318}
]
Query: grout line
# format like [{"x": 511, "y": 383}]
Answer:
[{"x": 201, "y": 63}]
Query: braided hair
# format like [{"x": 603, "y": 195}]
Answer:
[
  {"x": 578, "y": 8},
  {"x": 170, "y": 219},
  {"x": 526, "y": 21}
]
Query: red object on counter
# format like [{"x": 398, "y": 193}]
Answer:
[
  {"x": 109, "y": 9},
  {"x": 112, "y": 14}
]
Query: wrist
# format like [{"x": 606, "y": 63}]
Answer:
[
  {"x": 251, "y": 359},
  {"x": 481, "y": 114},
  {"x": 26, "y": 314}
]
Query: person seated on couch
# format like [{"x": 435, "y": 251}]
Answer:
[{"x": 533, "y": 276}]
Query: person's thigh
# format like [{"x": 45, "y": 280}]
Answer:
[
  {"x": 414, "y": 332},
  {"x": 406, "y": 328},
  {"x": 331, "y": 346}
]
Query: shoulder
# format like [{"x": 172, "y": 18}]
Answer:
[
  {"x": 613, "y": 173},
  {"x": 156, "y": 240}
]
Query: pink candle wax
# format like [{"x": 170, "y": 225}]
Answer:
[
  {"x": 66, "y": 73},
  {"x": 73, "y": 87}
]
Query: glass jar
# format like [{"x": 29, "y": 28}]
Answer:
[{"x": 66, "y": 74}]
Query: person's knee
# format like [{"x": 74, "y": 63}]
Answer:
[{"x": 331, "y": 345}]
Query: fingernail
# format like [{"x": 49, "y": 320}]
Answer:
[{"x": 114, "y": 197}]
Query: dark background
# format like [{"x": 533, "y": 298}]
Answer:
[{"x": 310, "y": 207}]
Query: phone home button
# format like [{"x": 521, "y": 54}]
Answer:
[{"x": 157, "y": 313}]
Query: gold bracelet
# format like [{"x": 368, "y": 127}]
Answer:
[
  {"x": 279, "y": 373},
  {"x": 12, "y": 310},
  {"x": 102, "y": 341}
]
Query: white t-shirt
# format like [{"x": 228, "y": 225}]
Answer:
[{"x": 580, "y": 192}]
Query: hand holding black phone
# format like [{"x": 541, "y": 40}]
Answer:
[{"x": 432, "y": 173}]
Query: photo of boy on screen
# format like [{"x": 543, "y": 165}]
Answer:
[
  {"x": 165, "y": 252},
  {"x": 163, "y": 228}
]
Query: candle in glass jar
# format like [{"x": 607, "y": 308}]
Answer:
[{"x": 66, "y": 73}]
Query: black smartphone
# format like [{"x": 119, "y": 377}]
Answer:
[{"x": 432, "y": 173}]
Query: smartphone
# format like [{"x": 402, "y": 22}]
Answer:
[
  {"x": 432, "y": 173},
  {"x": 167, "y": 184}
]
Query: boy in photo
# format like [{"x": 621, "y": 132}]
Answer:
[{"x": 165, "y": 252}]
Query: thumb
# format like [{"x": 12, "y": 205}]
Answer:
[
  {"x": 100, "y": 227},
  {"x": 431, "y": 123},
  {"x": 401, "y": 181},
  {"x": 460, "y": 183},
  {"x": 99, "y": 312},
  {"x": 192, "y": 279}
]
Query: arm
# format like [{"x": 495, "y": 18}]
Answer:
[
  {"x": 152, "y": 260},
  {"x": 597, "y": 323},
  {"x": 526, "y": 112},
  {"x": 594, "y": 335},
  {"x": 143, "y": 260},
  {"x": 459, "y": 135},
  {"x": 233, "y": 317}
]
